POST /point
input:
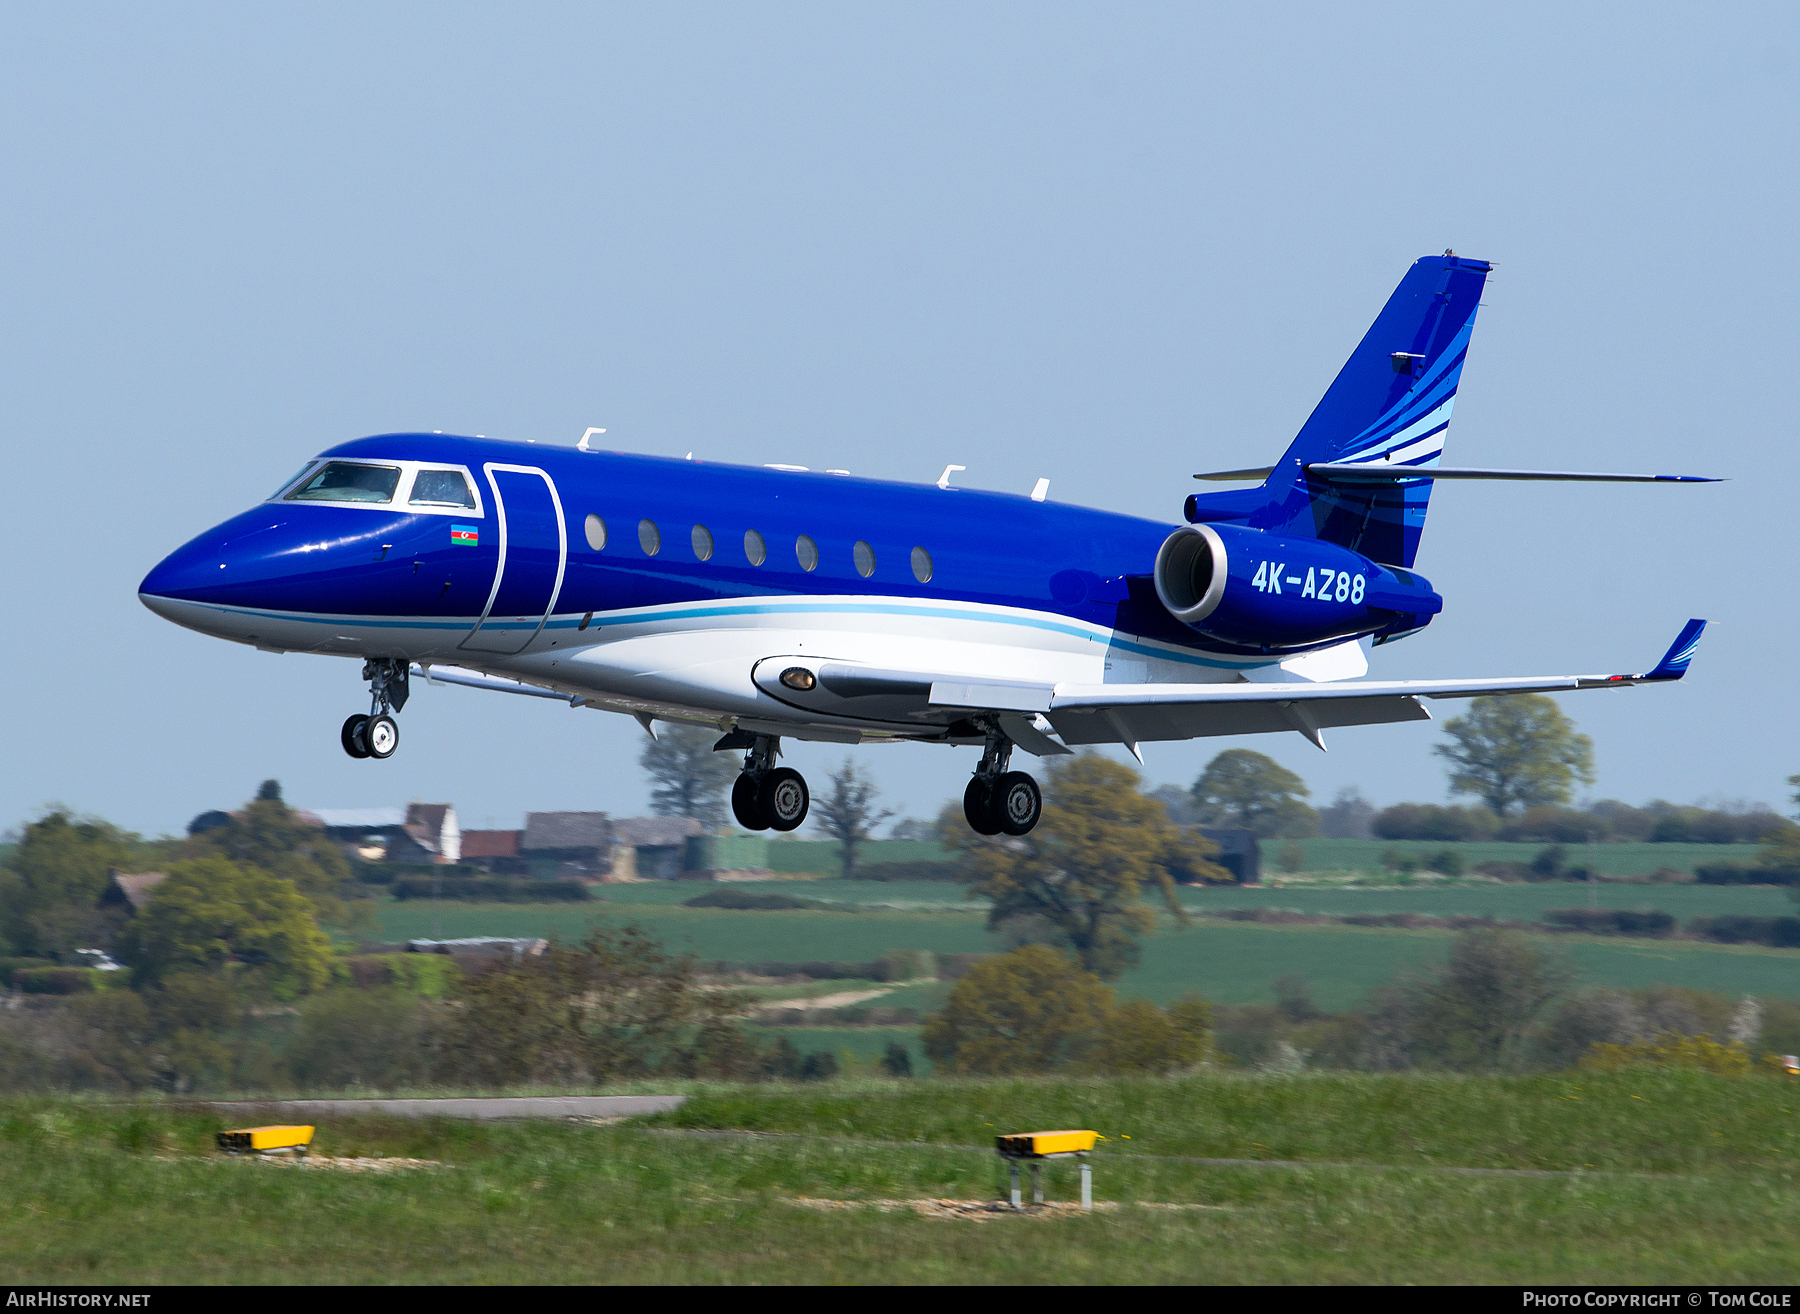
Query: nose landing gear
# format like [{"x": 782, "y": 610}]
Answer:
[
  {"x": 765, "y": 796},
  {"x": 376, "y": 735},
  {"x": 998, "y": 801}
]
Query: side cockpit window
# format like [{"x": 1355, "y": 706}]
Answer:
[
  {"x": 442, "y": 488},
  {"x": 349, "y": 481}
]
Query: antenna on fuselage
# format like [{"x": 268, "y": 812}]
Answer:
[
  {"x": 943, "y": 480},
  {"x": 582, "y": 446}
]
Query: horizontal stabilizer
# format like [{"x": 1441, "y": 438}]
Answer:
[
  {"x": 1361, "y": 472},
  {"x": 1239, "y": 476}
]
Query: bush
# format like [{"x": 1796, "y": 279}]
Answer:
[
  {"x": 56, "y": 980},
  {"x": 1037, "y": 1010},
  {"x": 1552, "y": 824},
  {"x": 386, "y": 873},
  {"x": 906, "y": 871},
  {"x": 896, "y": 1061},
  {"x": 906, "y": 965},
  {"x": 1731, "y": 872},
  {"x": 1432, "y": 821},
  {"x": 1740, "y": 928},
  {"x": 743, "y": 901},
  {"x": 1671, "y": 1051},
  {"x": 373, "y": 1039},
  {"x": 1613, "y": 921},
  {"x": 814, "y": 971},
  {"x": 1447, "y": 862},
  {"x": 10, "y": 965},
  {"x": 492, "y": 889}
]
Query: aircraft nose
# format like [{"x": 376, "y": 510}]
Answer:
[{"x": 186, "y": 574}]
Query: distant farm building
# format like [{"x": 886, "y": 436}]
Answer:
[
  {"x": 130, "y": 889},
  {"x": 564, "y": 845}
]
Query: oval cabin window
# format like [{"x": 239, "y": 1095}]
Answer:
[
  {"x": 921, "y": 564},
  {"x": 596, "y": 533},
  {"x": 755, "y": 550},
  {"x": 865, "y": 558},
  {"x": 649, "y": 537},
  {"x": 806, "y": 552},
  {"x": 703, "y": 543}
]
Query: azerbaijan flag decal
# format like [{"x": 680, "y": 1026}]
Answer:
[{"x": 465, "y": 535}]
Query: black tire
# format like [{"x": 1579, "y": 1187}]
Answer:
[
  {"x": 381, "y": 736},
  {"x": 1016, "y": 804},
  {"x": 744, "y": 806},
  {"x": 975, "y": 807},
  {"x": 352, "y": 737},
  {"x": 783, "y": 798}
]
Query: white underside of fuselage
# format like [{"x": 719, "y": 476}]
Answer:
[{"x": 694, "y": 661}]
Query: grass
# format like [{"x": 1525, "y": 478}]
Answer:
[{"x": 1659, "y": 1178}]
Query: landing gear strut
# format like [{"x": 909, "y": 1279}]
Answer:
[
  {"x": 765, "y": 796},
  {"x": 376, "y": 735},
  {"x": 998, "y": 801}
]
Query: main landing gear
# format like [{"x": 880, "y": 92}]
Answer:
[
  {"x": 765, "y": 796},
  {"x": 376, "y": 735},
  {"x": 998, "y": 801}
]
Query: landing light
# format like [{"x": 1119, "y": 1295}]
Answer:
[{"x": 798, "y": 677}]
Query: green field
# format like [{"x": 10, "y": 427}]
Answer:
[
  {"x": 1636, "y": 1178},
  {"x": 810, "y": 856},
  {"x": 825, "y": 856},
  {"x": 1523, "y": 902},
  {"x": 1229, "y": 963},
  {"x": 1609, "y": 859}
]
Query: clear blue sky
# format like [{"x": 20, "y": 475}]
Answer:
[{"x": 1110, "y": 245}]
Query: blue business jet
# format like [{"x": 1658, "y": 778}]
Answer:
[{"x": 778, "y": 601}]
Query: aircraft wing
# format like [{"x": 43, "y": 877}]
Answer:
[{"x": 1132, "y": 714}]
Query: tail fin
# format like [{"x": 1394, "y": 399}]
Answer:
[{"x": 1390, "y": 403}]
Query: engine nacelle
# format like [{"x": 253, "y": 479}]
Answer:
[{"x": 1271, "y": 592}]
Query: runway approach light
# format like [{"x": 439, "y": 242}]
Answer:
[
  {"x": 260, "y": 1140},
  {"x": 1034, "y": 1148}
]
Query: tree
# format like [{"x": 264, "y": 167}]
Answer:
[
  {"x": 1348, "y": 816},
  {"x": 270, "y": 836},
  {"x": 53, "y": 880},
  {"x": 211, "y": 913},
  {"x": 1515, "y": 752},
  {"x": 1244, "y": 788},
  {"x": 847, "y": 812},
  {"x": 1035, "y": 1010},
  {"x": 617, "y": 1005},
  {"x": 1475, "y": 1012},
  {"x": 1081, "y": 873},
  {"x": 688, "y": 778},
  {"x": 1031, "y": 1010}
]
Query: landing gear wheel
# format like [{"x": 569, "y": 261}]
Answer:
[
  {"x": 976, "y": 798},
  {"x": 744, "y": 806},
  {"x": 353, "y": 738},
  {"x": 1016, "y": 803},
  {"x": 382, "y": 736},
  {"x": 783, "y": 798}
]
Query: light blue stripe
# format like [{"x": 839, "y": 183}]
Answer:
[{"x": 1109, "y": 638}]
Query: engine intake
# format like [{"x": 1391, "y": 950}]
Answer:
[{"x": 1191, "y": 569}]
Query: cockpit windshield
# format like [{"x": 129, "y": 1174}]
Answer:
[
  {"x": 348, "y": 481},
  {"x": 442, "y": 488}
]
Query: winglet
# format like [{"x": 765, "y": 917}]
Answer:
[{"x": 1675, "y": 661}]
